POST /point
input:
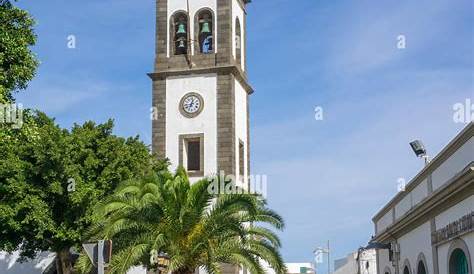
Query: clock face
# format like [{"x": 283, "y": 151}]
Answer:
[{"x": 191, "y": 104}]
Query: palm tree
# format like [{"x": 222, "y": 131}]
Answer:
[{"x": 197, "y": 229}]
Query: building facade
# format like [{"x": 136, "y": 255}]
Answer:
[
  {"x": 430, "y": 226},
  {"x": 361, "y": 262},
  {"x": 200, "y": 87}
]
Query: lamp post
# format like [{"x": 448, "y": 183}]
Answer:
[{"x": 159, "y": 260}]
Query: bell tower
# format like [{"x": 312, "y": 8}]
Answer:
[{"x": 200, "y": 87}]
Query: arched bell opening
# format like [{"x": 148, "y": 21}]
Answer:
[
  {"x": 204, "y": 29},
  {"x": 179, "y": 33},
  {"x": 238, "y": 42}
]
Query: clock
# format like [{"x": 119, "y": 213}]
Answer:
[{"x": 191, "y": 104}]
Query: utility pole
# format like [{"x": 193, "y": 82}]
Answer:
[{"x": 319, "y": 253}]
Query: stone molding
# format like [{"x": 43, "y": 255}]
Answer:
[
  {"x": 452, "y": 192},
  {"x": 232, "y": 69}
]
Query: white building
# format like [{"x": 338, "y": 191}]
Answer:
[
  {"x": 293, "y": 268},
  {"x": 430, "y": 225},
  {"x": 300, "y": 268},
  {"x": 362, "y": 262}
]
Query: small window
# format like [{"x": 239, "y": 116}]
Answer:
[
  {"x": 194, "y": 155},
  {"x": 421, "y": 268},
  {"x": 191, "y": 154},
  {"x": 241, "y": 159}
]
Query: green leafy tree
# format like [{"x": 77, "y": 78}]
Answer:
[
  {"x": 17, "y": 62},
  {"x": 165, "y": 213},
  {"x": 51, "y": 178}
]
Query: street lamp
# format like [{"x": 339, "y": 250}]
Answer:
[
  {"x": 419, "y": 150},
  {"x": 163, "y": 261},
  {"x": 159, "y": 260}
]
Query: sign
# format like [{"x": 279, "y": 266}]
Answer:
[
  {"x": 93, "y": 254},
  {"x": 463, "y": 225}
]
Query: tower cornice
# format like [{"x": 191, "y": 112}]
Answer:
[{"x": 225, "y": 69}]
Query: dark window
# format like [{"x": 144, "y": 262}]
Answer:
[
  {"x": 458, "y": 263},
  {"x": 241, "y": 159},
  {"x": 421, "y": 268},
  {"x": 194, "y": 155},
  {"x": 406, "y": 270}
]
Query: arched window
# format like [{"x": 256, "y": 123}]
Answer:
[
  {"x": 458, "y": 262},
  {"x": 179, "y": 33},
  {"x": 421, "y": 268},
  {"x": 406, "y": 270},
  {"x": 204, "y": 28},
  {"x": 238, "y": 42}
]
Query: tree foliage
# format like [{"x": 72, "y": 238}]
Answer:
[
  {"x": 51, "y": 178},
  {"x": 165, "y": 213},
  {"x": 17, "y": 62}
]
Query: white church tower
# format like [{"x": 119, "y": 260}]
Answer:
[{"x": 200, "y": 87}]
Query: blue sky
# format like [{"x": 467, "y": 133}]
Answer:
[{"x": 327, "y": 178}]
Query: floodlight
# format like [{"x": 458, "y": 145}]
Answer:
[{"x": 418, "y": 148}]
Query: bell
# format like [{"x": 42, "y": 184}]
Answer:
[
  {"x": 181, "y": 29},
  {"x": 205, "y": 28},
  {"x": 181, "y": 44}
]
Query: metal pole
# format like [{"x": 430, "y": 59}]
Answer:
[
  {"x": 329, "y": 259},
  {"x": 100, "y": 257}
]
